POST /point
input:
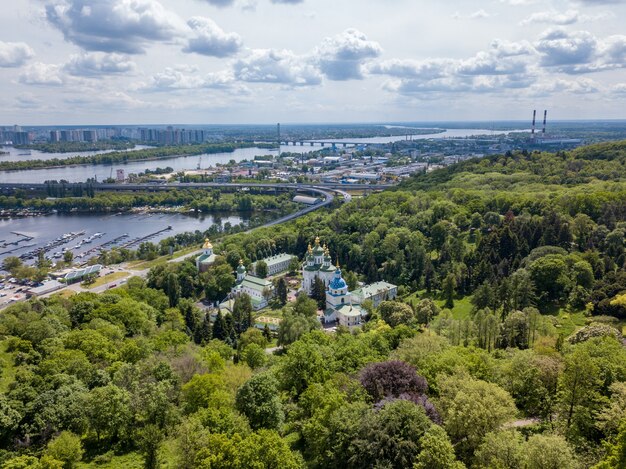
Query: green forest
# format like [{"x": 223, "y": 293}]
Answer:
[
  {"x": 503, "y": 350},
  {"x": 69, "y": 147},
  {"x": 203, "y": 201}
]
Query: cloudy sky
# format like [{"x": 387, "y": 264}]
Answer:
[{"x": 265, "y": 61}]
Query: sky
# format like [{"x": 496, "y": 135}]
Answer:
[{"x": 80, "y": 62}]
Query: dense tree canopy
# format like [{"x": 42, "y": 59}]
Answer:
[{"x": 503, "y": 348}]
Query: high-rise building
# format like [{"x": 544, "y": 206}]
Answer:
[
  {"x": 21, "y": 138},
  {"x": 90, "y": 136}
]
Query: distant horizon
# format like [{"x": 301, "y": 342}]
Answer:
[{"x": 305, "y": 124}]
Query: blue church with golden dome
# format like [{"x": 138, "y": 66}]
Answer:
[{"x": 339, "y": 306}]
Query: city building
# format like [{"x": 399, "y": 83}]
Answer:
[
  {"x": 207, "y": 258},
  {"x": 318, "y": 264},
  {"x": 259, "y": 290},
  {"x": 303, "y": 199},
  {"x": 78, "y": 275},
  {"x": 90, "y": 136},
  {"x": 45, "y": 288},
  {"x": 376, "y": 293},
  {"x": 276, "y": 264}
]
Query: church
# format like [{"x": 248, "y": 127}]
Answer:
[
  {"x": 342, "y": 307},
  {"x": 339, "y": 307},
  {"x": 207, "y": 258},
  {"x": 260, "y": 290},
  {"x": 317, "y": 264}
]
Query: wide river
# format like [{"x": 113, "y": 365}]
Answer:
[
  {"x": 81, "y": 173},
  {"x": 46, "y": 229},
  {"x": 17, "y": 154}
]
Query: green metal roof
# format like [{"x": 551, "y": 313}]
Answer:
[
  {"x": 92, "y": 269},
  {"x": 374, "y": 289}
]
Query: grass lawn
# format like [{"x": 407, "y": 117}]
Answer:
[
  {"x": 65, "y": 293},
  {"x": 462, "y": 306},
  {"x": 269, "y": 313},
  {"x": 568, "y": 323},
  {"x": 127, "y": 461},
  {"x": 141, "y": 265},
  {"x": 108, "y": 278},
  {"x": 6, "y": 365},
  {"x": 134, "y": 460}
]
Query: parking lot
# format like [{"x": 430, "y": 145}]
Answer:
[{"x": 11, "y": 292}]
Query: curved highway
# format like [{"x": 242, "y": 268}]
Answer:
[{"x": 324, "y": 190}]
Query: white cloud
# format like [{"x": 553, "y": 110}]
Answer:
[
  {"x": 94, "y": 64},
  {"x": 210, "y": 39},
  {"x": 276, "y": 66},
  {"x": 341, "y": 57},
  {"x": 184, "y": 79},
  {"x": 486, "y": 63},
  {"x": 559, "y": 47},
  {"x": 479, "y": 14},
  {"x": 15, "y": 54},
  {"x": 566, "y": 18},
  {"x": 510, "y": 49},
  {"x": 555, "y": 86},
  {"x": 125, "y": 26},
  {"x": 581, "y": 52},
  {"x": 619, "y": 90},
  {"x": 220, "y": 3},
  {"x": 101, "y": 102},
  {"x": 424, "y": 69},
  {"x": 42, "y": 74},
  {"x": 552, "y": 17}
]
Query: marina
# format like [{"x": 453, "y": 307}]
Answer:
[{"x": 86, "y": 235}]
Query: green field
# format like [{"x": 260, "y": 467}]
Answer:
[{"x": 108, "y": 278}]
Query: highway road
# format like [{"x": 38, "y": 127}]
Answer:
[{"x": 326, "y": 192}]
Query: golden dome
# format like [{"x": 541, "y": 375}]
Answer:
[
  {"x": 310, "y": 249},
  {"x": 207, "y": 244},
  {"x": 317, "y": 240}
]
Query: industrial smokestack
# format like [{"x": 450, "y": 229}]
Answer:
[
  {"x": 545, "y": 116},
  {"x": 532, "y": 132}
]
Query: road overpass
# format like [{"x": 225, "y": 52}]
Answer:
[
  {"x": 103, "y": 187},
  {"x": 325, "y": 191}
]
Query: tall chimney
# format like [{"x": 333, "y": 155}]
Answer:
[
  {"x": 545, "y": 115},
  {"x": 532, "y": 132}
]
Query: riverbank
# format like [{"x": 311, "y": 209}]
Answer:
[
  {"x": 71, "y": 147},
  {"x": 123, "y": 157}
]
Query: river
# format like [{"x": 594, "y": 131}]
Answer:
[
  {"x": 18, "y": 154},
  {"x": 81, "y": 173},
  {"x": 447, "y": 133},
  {"x": 45, "y": 229}
]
